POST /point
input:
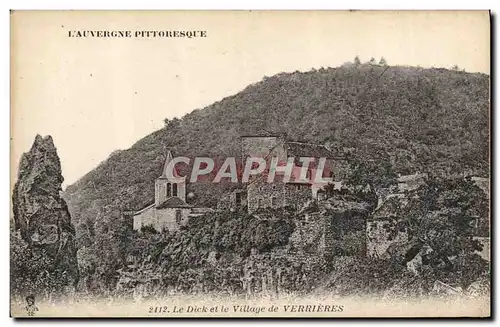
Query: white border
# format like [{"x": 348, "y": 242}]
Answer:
[{"x": 187, "y": 4}]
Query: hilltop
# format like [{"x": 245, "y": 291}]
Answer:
[{"x": 412, "y": 118}]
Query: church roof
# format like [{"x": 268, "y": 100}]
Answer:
[
  {"x": 173, "y": 202},
  {"x": 165, "y": 166}
]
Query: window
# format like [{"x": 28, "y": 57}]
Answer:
[
  {"x": 274, "y": 187},
  {"x": 274, "y": 201},
  {"x": 178, "y": 217},
  {"x": 174, "y": 189},
  {"x": 259, "y": 203},
  {"x": 238, "y": 199},
  {"x": 169, "y": 190}
]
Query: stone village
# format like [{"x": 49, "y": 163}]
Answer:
[{"x": 316, "y": 234}]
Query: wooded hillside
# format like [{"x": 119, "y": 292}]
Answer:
[{"x": 410, "y": 118}]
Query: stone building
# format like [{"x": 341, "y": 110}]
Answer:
[
  {"x": 295, "y": 193},
  {"x": 312, "y": 234},
  {"x": 169, "y": 211},
  {"x": 234, "y": 200},
  {"x": 405, "y": 184},
  {"x": 381, "y": 227},
  {"x": 277, "y": 195}
]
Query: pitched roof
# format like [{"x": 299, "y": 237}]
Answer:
[
  {"x": 173, "y": 202},
  {"x": 299, "y": 149},
  {"x": 165, "y": 166},
  {"x": 143, "y": 209}
]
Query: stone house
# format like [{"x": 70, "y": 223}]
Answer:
[
  {"x": 381, "y": 226},
  {"x": 405, "y": 183},
  {"x": 234, "y": 200},
  {"x": 295, "y": 193}
]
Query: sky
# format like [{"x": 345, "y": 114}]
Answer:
[{"x": 98, "y": 95}]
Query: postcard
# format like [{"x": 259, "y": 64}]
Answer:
[{"x": 291, "y": 164}]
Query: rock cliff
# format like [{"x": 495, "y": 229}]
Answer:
[{"x": 41, "y": 216}]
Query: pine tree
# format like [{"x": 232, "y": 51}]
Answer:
[
  {"x": 357, "y": 61},
  {"x": 382, "y": 62}
]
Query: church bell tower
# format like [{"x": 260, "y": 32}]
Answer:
[{"x": 166, "y": 188}]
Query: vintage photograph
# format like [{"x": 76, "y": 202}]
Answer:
[{"x": 293, "y": 164}]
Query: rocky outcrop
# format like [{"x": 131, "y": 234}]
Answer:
[{"x": 41, "y": 216}]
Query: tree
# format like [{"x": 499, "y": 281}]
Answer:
[
  {"x": 34, "y": 271},
  {"x": 371, "y": 166},
  {"x": 442, "y": 213},
  {"x": 382, "y": 62},
  {"x": 357, "y": 61},
  {"x": 174, "y": 123},
  {"x": 372, "y": 61}
]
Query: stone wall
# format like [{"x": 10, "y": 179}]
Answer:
[
  {"x": 265, "y": 195},
  {"x": 309, "y": 235},
  {"x": 233, "y": 203},
  {"x": 297, "y": 195},
  {"x": 277, "y": 195},
  {"x": 326, "y": 235},
  {"x": 224, "y": 202},
  {"x": 161, "y": 219}
]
